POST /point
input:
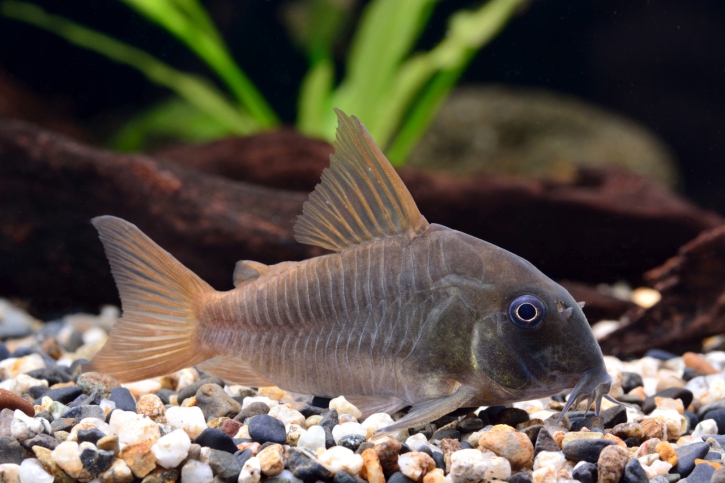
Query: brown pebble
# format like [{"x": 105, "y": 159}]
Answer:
[
  {"x": 162, "y": 475},
  {"x": 653, "y": 429},
  {"x": 372, "y": 471},
  {"x": 88, "y": 381},
  {"x": 448, "y": 445},
  {"x": 10, "y": 400},
  {"x": 271, "y": 460},
  {"x": 139, "y": 458},
  {"x": 558, "y": 437},
  {"x": 612, "y": 461},
  {"x": 697, "y": 362},
  {"x": 618, "y": 441},
  {"x": 109, "y": 443},
  {"x": 435, "y": 476},
  {"x": 253, "y": 447},
  {"x": 628, "y": 430},
  {"x": 231, "y": 427},
  {"x": 388, "y": 455},
  {"x": 515, "y": 447},
  {"x": 666, "y": 452}
]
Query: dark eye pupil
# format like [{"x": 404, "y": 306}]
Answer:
[{"x": 526, "y": 312}]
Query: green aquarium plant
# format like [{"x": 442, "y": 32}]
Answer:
[{"x": 394, "y": 89}]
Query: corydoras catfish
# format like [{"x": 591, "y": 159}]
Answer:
[{"x": 402, "y": 313}]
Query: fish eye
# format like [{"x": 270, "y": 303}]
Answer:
[{"x": 527, "y": 311}]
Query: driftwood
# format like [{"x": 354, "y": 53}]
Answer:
[
  {"x": 692, "y": 307},
  {"x": 602, "y": 227}
]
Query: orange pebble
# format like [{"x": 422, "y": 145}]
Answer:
[
  {"x": 714, "y": 464},
  {"x": 697, "y": 362}
]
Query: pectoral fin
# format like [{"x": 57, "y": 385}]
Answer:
[
  {"x": 430, "y": 410},
  {"x": 374, "y": 404}
]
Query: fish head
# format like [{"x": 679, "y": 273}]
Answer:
[{"x": 531, "y": 339}]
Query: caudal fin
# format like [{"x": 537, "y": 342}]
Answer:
[{"x": 158, "y": 332}]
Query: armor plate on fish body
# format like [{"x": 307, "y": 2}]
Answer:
[{"x": 405, "y": 313}]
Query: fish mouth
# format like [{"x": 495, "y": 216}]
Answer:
[{"x": 594, "y": 385}]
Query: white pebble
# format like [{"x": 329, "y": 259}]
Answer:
[
  {"x": 140, "y": 430},
  {"x": 189, "y": 419},
  {"x": 467, "y": 466},
  {"x": 705, "y": 429},
  {"x": 119, "y": 418},
  {"x": 287, "y": 415},
  {"x": 147, "y": 386},
  {"x": 344, "y": 429},
  {"x": 68, "y": 456},
  {"x": 10, "y": 473},
  {"x": 196, "y": 472},
  {"x": 287, "y": 475},
  {"x": 553, "y": 459},
  {"x": 170, "y": 450},
  {"x": 89, "y": 423},
  {"x": 657, "y": 468},
  {"x": 24, "y": 427},
  {"x": 93, "y": 335},
  {"x": 339, "y": 458},
  {"x": 107, "y": 406},
  {"x": 186, "y": 377},
  {"x": 251, "y": 471},
  {"x": 264, "y": 399},
  {"x": 313, "y": 439},
  {"x": 343, "y": 406},
  {"x": 496, "y": 467},
  {"x": 20, "y": 384},
  {"x": 544, "y": 475},
  {"x": 57, "y": 410},
  {"x": 376, "y": 421},
  {"x": 30, "y": 471},
  {"x": 417, "y": 441},
  {"x": 14, "y": 366}
]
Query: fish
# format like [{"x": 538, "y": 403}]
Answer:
[{"x": 401, "y": 312}]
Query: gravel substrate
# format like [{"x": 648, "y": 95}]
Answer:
[{"x": 57, "y": 424}]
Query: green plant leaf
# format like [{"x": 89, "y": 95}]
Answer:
[
  {"x": 188, "y": 22},
  {"x": 315, "y": 101},
  {"x": 173, "y": 118},
  {"x": 195, "y": 90}
]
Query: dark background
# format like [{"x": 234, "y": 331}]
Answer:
[{"x": 661, "y": 62}]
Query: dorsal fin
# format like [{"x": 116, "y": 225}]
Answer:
[
  {"x": 360, "y": 198},
  {"x": 247, "y": 270}
]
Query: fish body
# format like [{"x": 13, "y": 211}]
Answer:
[{"x": 405, "y": 313}]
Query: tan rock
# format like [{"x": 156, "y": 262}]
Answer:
[
  {"x": 415, "y": 465},
  {"x": 189, "y": 402},
  {"x": 648, "y": 447},
  {"x": 109, "y": 443},
  {"x": 515, "y": 447},
  {"x": 612, "y": 461},
  {"x": 372, "y": 471},
  {"x": 118, "y": 472},
  {"x": 618, "y": 441},
  {"x": 628, "y": 430},
  {"x": 67, "y": 456},
  {"x": 271, "y": 460},
  {"x": 434, "y": 476},
  {"x": 272, "y": 392},
  {"x": 150, "y": 405},
  {"x": 669, "y": 403},
  {"x": 162, "y": 475},
  {"x": 575, "y": 435},
  {"x": 448, "y": 445},
  {"x": 544, "y": 475},
  {"x": 558, "y": 437},
  {"x": 638, "y": 392},
  {"x": 654, "y": 429},
  {"x": 666, "y": 452},
  {"x": 139, "y": 458},
  {"x": 45, "y": 457}
]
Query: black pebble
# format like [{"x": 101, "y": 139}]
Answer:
[
  {"x": 693, "y": 418},
  {"x": 217, "y": 439},
  {"x": 91, "y": 435},
  {"x": 76, "y": 366},
  {"x": 224, "y": 465},
  {"x": 544, "y": 442},
  {"x": 586, "y": 473},
  {"x": 96, "y": 461},
  {"x": 63, "y": 424},
  {"x": 344, "y": 477},
  {"x": 36, "y": 392},
  {"x": 426, "y": 449},
  {"x": 399, "y": 477},
  {"x": 689, "y": 374},
  {"x": 671, "y": 392},
  {"x": 10, "y": 450},
  {"x": 77, "y": 401},
  {"x": 613, "y": 416},
  {"x": 320, "y": 402},
  {"x": 585, "y": 449},
  {"x": 364, "y": 446},
  {"x": 426, "y": 430},
  {"x": 404, "y": 448},
  {"x": 634, "y": 473},
  {"x": 94, "y": 398},
  {"x": 591, "y": 421},
  {"x": 63, "y": 395},
  {"x": 254, "y": 409},
  {"x": 713, "y": 456},
  {"x": 510, "y": 416},
  {"x": 45, "y": 415},
  {"x": 660, "y": 354},
  {"x": 329, "y": 440},
  {"x": 532, "y": 432},
  {"x": 83, "y": 412},
  {"x": 24, "y": 351},
  {"x": 53, "y": 375},
  {"x": 632, "y": 442},
  {"x": 265, "y": 445},
  {"x": 521, "y": 477},
  {"x": 165, "y": 395},
  {"x": 440, "y": 460},
  {"x": 305, "y": 466},
  {"x": 686, "y": 456},
  {"x": 351, "y": 441},
  {"x": 43, "y": 440},
  {"x": 701, "y": 474},
  {"x": 264, "y": 428},
  {"x": 123, "y": 399},
  {"x": 330, "y": 420},
  {"x": 630, "y": 380},
  {"x": 718, "y": 415},
  {"x": 191, "y": 389},
  {"x": 470, "y": 425},
  {"x": 242, "y": 456},
  {"x": 4, "y": 352},
  {"x": 309, "y": 410},
  {"x": 466, "y": 445}
]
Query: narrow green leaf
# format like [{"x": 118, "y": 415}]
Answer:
[
  {"x": 195, "y": 90},
  {"x": 315, "y": 116},
  {"x": 180, "y": 20}
]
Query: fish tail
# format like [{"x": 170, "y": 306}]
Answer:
[{"x": 159, "y": 332}]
